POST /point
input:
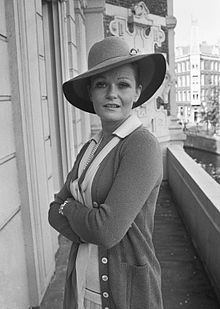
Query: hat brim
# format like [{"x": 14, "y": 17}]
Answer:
[{"x": 152, "y": 70}]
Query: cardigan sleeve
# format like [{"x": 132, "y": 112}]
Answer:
[
  {"x": 139, "y": 172},
  {"x": 56, "y": 220},
  {"x": 59, "y": 222}
]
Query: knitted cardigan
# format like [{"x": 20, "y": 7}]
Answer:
[{"x": 125, "y": 188}]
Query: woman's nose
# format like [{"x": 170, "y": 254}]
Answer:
[{"x": 112, "y": 91}]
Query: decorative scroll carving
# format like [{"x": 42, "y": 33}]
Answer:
[
  {"x": 119, "y": 27},
  {"x": 163, "y": 97},
  {"x": 146, "y": 30},
  {"x": 154, "y": 113},
  {"x": 140, "y": 14},
  {"x": 142, "y": 31},
  {"x": 153, "y": 119}
]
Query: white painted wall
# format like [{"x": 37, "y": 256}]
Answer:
[
  {"x": 13, "y": 274},
  {"x": 40, "y": 134}
]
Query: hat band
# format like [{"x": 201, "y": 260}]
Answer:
[{"x": 109, "y": 61}]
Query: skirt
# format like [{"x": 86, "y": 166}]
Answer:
[{"x": 90, "y": 305}]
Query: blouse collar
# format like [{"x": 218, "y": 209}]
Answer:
[{"x": 128, "y": 126}]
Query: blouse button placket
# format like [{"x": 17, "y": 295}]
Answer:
[
  {"x": 104, "y": 260},
  {"x": 104, "y": 278},
  {"x": 105, "y": 294}
]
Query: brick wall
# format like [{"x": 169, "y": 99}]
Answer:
[
  {"x": 158, "y": 7},
  {"x": 107, "y": 20}
]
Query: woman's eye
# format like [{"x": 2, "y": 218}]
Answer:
[
  {"x": 100, "y": 84},
  {"x": 123, "y": 85}
]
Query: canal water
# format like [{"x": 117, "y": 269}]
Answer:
[{"x": 207, "y": 160}]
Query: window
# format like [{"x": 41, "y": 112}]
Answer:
[
  {"x": 188, "y": 66},
  {"x": 181, "y": 111},
  {"x": 187, "y": 80},
  {"x": 184, "y": 96},
  {"x": 202, "y": 64},
  {"x": 184, "y": 81},
  {"x": 188, "y": 95},
  {"x": 202, "y": 79}
]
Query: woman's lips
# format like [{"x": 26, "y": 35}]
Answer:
[{"x": 112, "y": 105}]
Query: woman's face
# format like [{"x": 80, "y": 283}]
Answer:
[{"x": 114, "y": 92}]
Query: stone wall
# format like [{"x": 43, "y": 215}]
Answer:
[
  {"x": 197, "y": 195},
  {"x": 158, "y": 7},
  {"x": 207, "y": 143}
]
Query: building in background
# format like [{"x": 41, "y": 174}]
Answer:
[
  {"x": 197, "y": 70},
  {"x": 42, "y": 44}
]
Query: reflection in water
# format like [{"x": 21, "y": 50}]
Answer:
[{"x": 207, "y": 160}]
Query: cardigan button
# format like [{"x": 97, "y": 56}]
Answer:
[
  {"x": 104, "y": 260},
  {"x": 105, "y": 294},
  {"x": 104, "y": 277}
]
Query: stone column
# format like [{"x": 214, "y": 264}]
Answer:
[
  {"x": 176, "y": 132},
  {"x": 170, "y": 24},
  {"x": 80, "y": 7}
]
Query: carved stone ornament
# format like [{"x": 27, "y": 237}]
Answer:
[
  {"x": 142, "y": 30},
  {"x": 146, "y": 31},
  {"x": 140, "y": 14}
]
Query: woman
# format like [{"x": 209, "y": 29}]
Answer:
[{"x": 106, "y": 207}]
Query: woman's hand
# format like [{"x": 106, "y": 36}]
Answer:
[{"x": 70, "y": 200}]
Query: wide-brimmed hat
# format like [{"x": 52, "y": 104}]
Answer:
[{"x": 109, "y": 54}]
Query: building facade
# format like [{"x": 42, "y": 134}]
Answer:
[
  {"x": 42, "y": 44},
  {"x": 197, "y": 68}
]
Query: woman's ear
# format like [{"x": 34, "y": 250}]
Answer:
[{"x": 138, "y": 93}]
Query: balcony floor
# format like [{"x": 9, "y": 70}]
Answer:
[{"x": 184, "y": 281}]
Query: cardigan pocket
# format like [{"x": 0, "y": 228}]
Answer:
[
  {"x": 135, "y": 286},
  {"x": 140, "y": 287}
]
